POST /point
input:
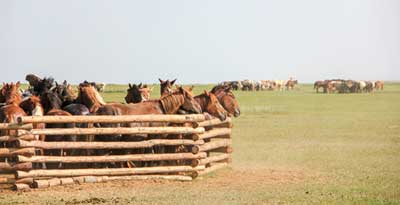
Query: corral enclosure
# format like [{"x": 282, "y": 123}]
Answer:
[{"x": 295, "y": 146}]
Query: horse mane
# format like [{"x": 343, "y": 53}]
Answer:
[
  {"x": 171, "y": 103},
  {"x": 89, "y": 95},
  {"x": 217, "y": 88}
]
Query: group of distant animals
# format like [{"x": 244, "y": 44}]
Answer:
[
  {"x": 347, "y": 86},
  {"x": 47, "y": 97},
  {"x": 252, "y": 85}
]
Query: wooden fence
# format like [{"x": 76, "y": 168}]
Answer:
[{"x": 173, "y": 147}]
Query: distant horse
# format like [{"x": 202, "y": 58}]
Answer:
[
  {"x": 290, "y": 84},
  {"x": 369, "y": 86},
  {"x": 279, "y": 84},
  {"x": 320, "y": 84},
  {"x": 248, "y": 85},
  {"x": 166, "y": 87},
  {"x": 210, "y": 104},
  {"x": 227, "y": 99},
  {"x": 379, "y": 85},
  {"x": 137, "y": 93},
  {"x": 363, "y": 84}
]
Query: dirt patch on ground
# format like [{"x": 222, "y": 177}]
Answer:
[{"x": 225, "y": 180}]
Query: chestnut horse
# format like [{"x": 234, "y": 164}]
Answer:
[
  {"x": 11, "y": 111},
  {"x": 210, "y": 104},
  {"x": 89, "y": 96},
  {"x": 227, "y": 99},
  {"x": 33, "y": 107},
  {"x": 379, "y": 85}
]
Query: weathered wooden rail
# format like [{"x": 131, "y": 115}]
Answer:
[{"x": 171, "y": 147}]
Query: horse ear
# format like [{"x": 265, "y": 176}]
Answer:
[
  {"x": 140, "y": 85},
  {"x": 161, "y": 81},
  {"x": 130, "y": 86},
  {"x": 206, "y": 93},
  {"x": 172, "y": 82}
]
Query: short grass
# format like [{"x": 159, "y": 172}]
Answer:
[{"x": 289, "y": 147}]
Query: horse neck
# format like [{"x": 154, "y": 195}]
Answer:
[
  {"x": 201, "y": 99},
  {"x": 93, "y": 102},
  {"x": 171, "y": 103}
]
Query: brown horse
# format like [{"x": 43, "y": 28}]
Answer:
[
  {"x": 379, "y": 85},
  {"x": 227, "y": 99},
  {"x": 33, "y": 107},
  {"x": 169, "y": 104},
  {"x": 210, "y": 104},
  {"x": 166, "y": 87},
  {"x": 89, "y": 96},
  {"x": 320, "y": 84},
  {"x": 11, "y": 111},
  {"x": 291, "y": 84}
]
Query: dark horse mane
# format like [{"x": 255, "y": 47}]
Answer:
[{"x": 44, "y": 85}]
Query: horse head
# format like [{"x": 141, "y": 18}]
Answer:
[
  {"x": 166, "y": 87},
  {"x": 214, "y": 107},
  {"x": 227, "y": 99}
]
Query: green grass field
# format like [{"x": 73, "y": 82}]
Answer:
[{"x": 289, "y": 147}]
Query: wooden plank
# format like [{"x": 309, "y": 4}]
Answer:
[
  {"x": 108, "y": 172},
  {"x": 112, "y": 119},
  {"x": 112, "y": 158},
  {"x": 118, "y": 130},
  {"x": 108, "y": 145},
  {"x": 216, "y": 132}
]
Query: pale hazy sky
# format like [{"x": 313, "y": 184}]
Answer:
[{"x": 200, "y": 41}]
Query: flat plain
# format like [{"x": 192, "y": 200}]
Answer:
[{"x": 289, "y": 147}]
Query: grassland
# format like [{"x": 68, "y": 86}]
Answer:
[{"x": 289, "y": 147}]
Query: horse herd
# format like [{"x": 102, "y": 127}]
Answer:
[
  {"x": 347, "y": 86},
  {"x": 253, "y": 85},
  {"x": 47, "y": 97}
]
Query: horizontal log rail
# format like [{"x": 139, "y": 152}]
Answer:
[
  {"x": 44, "y": 183},
  {"x": 108, "y": 145},
  {"x": 215, "y": 144},
  {"x": 12, "y": 138},
  {"x": 7, "y": 180},
  {"x": 213, "y": 168},
  {"x": 216, "y": 158},
  {"x": 5, "y": 166},
  {"x": 214, "y": 122},
  {"x": 112, "y": 158},
  {"x": 109, "y": 172},
  {"x": 112, "y": 119},
  {"x": 216, "y": 132},
  {"x": 15, "y": 126},
  {"x": 118, "y": 130},
  {"x": 7, "y": 152}
]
